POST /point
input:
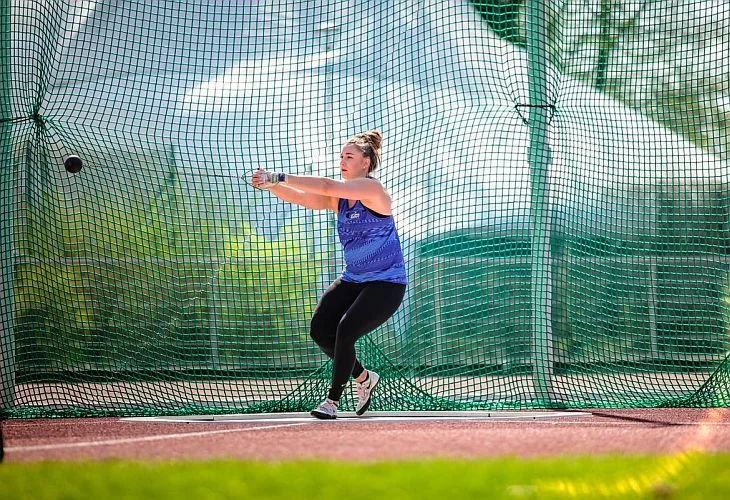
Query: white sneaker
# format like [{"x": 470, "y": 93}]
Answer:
[
  {"x": 365, "y": 391},
  {"x": 327, "y": 410}
]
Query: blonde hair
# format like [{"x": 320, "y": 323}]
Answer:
[{"x": 368, "y": 143}]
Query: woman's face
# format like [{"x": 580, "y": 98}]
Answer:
[{"x": 353, "y": 163}]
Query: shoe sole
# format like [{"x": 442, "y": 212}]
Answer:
[
  {"x": 367, "y": 404},
  {"x": 322, "y": 416}
]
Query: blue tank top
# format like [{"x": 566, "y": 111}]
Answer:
[{"x": 371, "y": 245}]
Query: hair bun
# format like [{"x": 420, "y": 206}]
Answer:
[
  {"x": 368, "y": 143},
  {"x": 374, "y": 137}
]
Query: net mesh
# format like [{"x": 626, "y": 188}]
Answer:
[{"x": 559, "y": 170}]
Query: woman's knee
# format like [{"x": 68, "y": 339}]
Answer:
[
  {"x": 349, "y": 330},
  {"x": 320, "y": 329}
]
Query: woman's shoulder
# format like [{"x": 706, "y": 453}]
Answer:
[
  {"x": 376, "y": 181},
  {"x": 371, "y": 185}
]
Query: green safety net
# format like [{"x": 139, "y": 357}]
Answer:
[{"x": 560, "y": 180}]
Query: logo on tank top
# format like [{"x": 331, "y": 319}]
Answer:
[{"x": 353, "y": 215}]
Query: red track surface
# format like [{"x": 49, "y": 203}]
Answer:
[{"x": 605, "y": 431}]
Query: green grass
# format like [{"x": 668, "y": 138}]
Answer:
[{"x": 686, "y": 475}]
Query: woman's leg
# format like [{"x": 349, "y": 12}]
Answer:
[
  {"x": 376, "y": 302},
  {"x": 332, "y": 306}
]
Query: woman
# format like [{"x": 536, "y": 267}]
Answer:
[{"x": 373, "y": 284}]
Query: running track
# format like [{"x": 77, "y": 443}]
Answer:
[{"x": 373, "y": 438}]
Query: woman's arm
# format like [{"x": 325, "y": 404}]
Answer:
[
  {"x": 308, "y": 200},
  {"x": 369, "y": 191},
  {"x": 262, "y": 179}
]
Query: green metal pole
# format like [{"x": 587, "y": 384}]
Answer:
[
  {"x": 539, "y": 158},
  {"x": 7, "y": 300}
]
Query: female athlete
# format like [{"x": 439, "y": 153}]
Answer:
[{"x": 373, "y": 284}]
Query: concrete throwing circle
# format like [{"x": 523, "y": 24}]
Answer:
[{"x": 375, "y": 416}]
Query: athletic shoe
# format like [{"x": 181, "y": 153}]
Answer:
[
  {"x": 365, "y": 391},
  {"x": 327, "y": 410}
]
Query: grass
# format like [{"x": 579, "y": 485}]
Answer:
[{"x": 685, "y": 475}]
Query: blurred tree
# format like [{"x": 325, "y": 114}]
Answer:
[{"x": 665, "y": 58}]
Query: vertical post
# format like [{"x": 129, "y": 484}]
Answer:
[
  {"x": 7, "y": 299},
  {"x": 539, "y": 159},
  {"x": 329, "y": 29},
  {"x": 213, "y": 314},
  {"x": 652, "y": 296},
  {"x": 213, "y": 224},
  {"x": 438, "y": 318}
]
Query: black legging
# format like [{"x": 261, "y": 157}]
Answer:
[{"x": 345, "y": 312}]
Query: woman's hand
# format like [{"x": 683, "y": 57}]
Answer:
[{"x": 263, "y": 179}]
